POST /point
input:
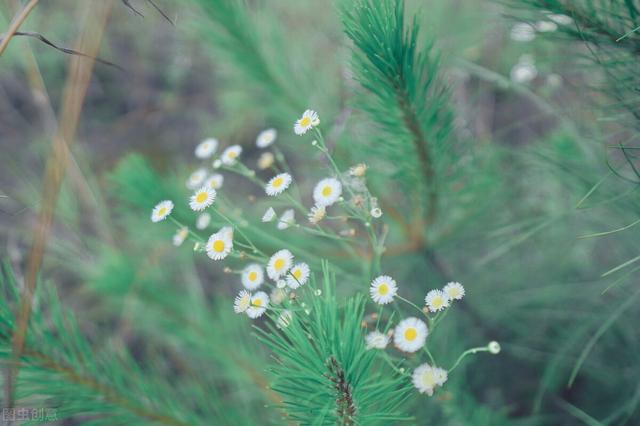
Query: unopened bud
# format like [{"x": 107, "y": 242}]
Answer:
[{"x": 358, "y": 170}]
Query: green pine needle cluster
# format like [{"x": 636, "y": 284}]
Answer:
[
  {"x": 61, "y": 370},
  {"x": 322, "y": 368},
  {"x": 406, "y": 97}
]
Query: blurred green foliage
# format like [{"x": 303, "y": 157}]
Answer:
[{"x": 532, "y": 178}]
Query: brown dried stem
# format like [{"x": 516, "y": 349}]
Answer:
[
  {"x": 17, "y": 20},
  {"x": 78, "y": 80}
]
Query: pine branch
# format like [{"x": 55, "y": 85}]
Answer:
[
  {"x": 406, "y": 98},
  {"x": 345, "y": 407},
  {"x": 234, "y": 37},
  {"x": 323, "y": 370},
  {"x": 58, "y": 369}
]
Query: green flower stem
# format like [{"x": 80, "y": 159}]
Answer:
[
  {"x": 322, "y": 233},
  {"x": 431, "y": 357},
  {"x": 466, "y": 353},
  {"x": 388, "y": 360},
  {"x": 412, "y": 304},
  {"x": 379, "y": 316},
  {"x": 253, "y": 247},
  {"x": 246, "y": 172},
  {"x": 297, "y": 204},
  {"x": 438, "y": 319},
  {"x": 376, "y": 248}
]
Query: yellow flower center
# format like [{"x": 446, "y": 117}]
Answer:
[
  {"x": 410, "y": 334},
  {"x": 427, "y": 379},
  {"x": 218, "y": 246},
  {"x": 253, "y": 275},
  {"x": 278, "y": 264},
  {"x": 383, "y": 289},
  {"x": 453, "y": 293},
  {"x": 257, "y": 302},
  {"x": 297, "y": 274},
  {"x": 201, "y": 197},
  {"x": 232, "y": 154},
  {"x": 438, "y": 302},
  {"x": 305, "y": 121},
  {"x": 326, "y": 191},
  {"x": 277, "y": 182},
  {"x": 162, "y": 211}
]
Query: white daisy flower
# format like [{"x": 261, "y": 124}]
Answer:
[
  {"x": 180, "y": 236},
  {"x": 252, "y": 276},
  {"x": 524, "y": 71},
  {"x": 546, "y": 26},
  {"x": 197, "y": 178},
  {"x": 230, "y": 155},
  {"x": 242, "y": 302},
  {"x": 266, "y": 138},
  {"x": 425, "y": 378},
  {"x": 279, "y": 264},
  {"x": 383, "y": 289},
  {"x": 437, "y": 300},
  {"x": 298, "y": 275},
  {"x": 161, "y": 211},
  {"x": 309, "y": 119},
  {"x": 410, "y": 334},
  {"x": 327, "y": 192},
  {"x": 287, "y": 219},
  {"x": 523, "y": 32},
  {"x": 278, "y": 184},
  {"x": 376, "y": 340},
  {"x": 220, "y": 244},
  {"x": 259, "y": 304},
  {"x": 560, "y": 19},
  {"x": 316, "y": 214},
  {"x": 214, "y": 181},
  {"x": 265, "y": 160},
  {"x": 203, "y": 221},
  {"x": 269, "y": 215},
  {"x": 202, "y": 199},
  {"x": 284, "y": 319},
  {"x": 206, "y": 148},
  {"x": 454, "y": 291}
]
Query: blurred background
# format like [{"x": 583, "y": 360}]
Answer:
[{"x": 530, "y": 174}]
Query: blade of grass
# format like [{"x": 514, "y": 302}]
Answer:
[
  {"x": 599, "y": 333},
  {"x": 76, "y": 89},
  {"x": 624, "y": 265},
  {"x": 601, "y": 234}
]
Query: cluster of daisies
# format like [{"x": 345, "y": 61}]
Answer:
[
  {"x": 280, "y": 268},
  {"x": 286, "y": 275},
  {"x": 410, "y": 334},
  {"x": 279, "y": 272}
]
